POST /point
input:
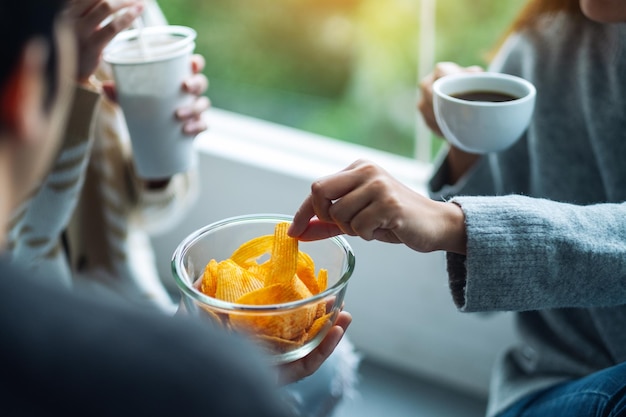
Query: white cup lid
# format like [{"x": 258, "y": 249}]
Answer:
[{"x": 149, "y": 44}]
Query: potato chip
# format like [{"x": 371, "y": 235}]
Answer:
[
  {"x": 322, "y": 279},
  {"x": 247, "y": 254},
  {"x": 284, "y": 257},
  {"x": 234, "y": 281},
  {"x": 302, "y": 290},
  {"x": 209, "y": 279},
  {"x": 286, "y": 275},
  {"x": 318, "y": 325},
  {"x": 288, "y": 325},
  {"x": 261, "y": 271},
  {"x": 321, "y": 309},
  {"x": 272, "y": 294},
  {"x": 306, "y": 272}
]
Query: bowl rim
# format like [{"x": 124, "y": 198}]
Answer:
[{"x": 183, "y": 285}]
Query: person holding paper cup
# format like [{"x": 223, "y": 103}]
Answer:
[
  {"x": 83, "y": 352},
  {"x": 87, "y": 225},
  {"x": 537, "y": 228},
  {"x": 93, "y": 208}
]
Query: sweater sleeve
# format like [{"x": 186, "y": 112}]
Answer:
[
  {"x": 477, "y": 181},
  {"x": 528, "y": 253},
  {"x": 81, "y": 115}
]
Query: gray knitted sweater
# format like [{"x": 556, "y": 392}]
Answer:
[{"x": 546, "y": 218}]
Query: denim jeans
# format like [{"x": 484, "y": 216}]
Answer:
[{"x": 602, "y": 393}]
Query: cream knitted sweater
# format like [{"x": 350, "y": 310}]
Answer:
[{"x": 88, "y": 221}]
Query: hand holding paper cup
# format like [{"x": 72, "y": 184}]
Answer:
[
  {"x": 483, "y": 112},
  {"x": 149, "y": 67}
]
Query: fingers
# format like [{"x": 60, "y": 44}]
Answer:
[
  {"x": 314, "y": 229},
  {"x": 197, "y": 63},
  {"x": 353, "y": 213},
  {"x": 371, "y": 219},
  {"x": 302, "y": 217},
  {"x": 445, "y": 68},
  {"x": 337, "y": 186},
  {"x": 474, "y": 68},
  {"x": 193, "y": 116},
  {"x": 336, "y": 200},
  {"x": 100, "y": 12},
  {"x": 315, "y": 204},
  {"x": 195, "y": 126},
  {"x": 195, "y": 110},
  {"x": 425, "y": 104},
  {"x": 350, "y": 193},
  {"x": 306, "y": 366},
  {"x": 318, "y": 203},
  {"x": 196, "y": 84},
  {"x": 95, "y": 23},
  {"x": 118, "y": 23}
]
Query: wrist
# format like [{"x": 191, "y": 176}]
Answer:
[
  {"x": 459, "y": 162},
  {"x": 455, "y": 234}
]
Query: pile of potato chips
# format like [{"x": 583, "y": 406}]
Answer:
[{"x": 287, "y": 275}]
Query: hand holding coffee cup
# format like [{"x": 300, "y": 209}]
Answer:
[{"x": 483, "y": 112}]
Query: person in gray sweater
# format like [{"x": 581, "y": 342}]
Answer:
[{"x": 539, "y": 228}]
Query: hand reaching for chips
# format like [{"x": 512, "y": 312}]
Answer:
[{"x": 249, "y": 277}]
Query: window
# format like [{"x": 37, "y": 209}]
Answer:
[{"x": 346, "y": 69}]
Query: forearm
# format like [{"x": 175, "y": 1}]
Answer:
[
  {"x": 459, "y": 163},
  {"x": 453, "y": 236},
  {"x": 476, "y": 180}
]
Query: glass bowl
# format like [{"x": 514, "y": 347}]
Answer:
[{"x": 218, "y": 241}]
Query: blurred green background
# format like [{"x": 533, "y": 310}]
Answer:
[{"x": 346, "y": 69}]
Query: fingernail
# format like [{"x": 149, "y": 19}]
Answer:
[
  {"x": 193, "y": 128},
  {"x": 183, "y": 113}
]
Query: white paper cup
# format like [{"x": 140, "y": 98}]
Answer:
[
  {"x": 149, "y": 67},
  {"x": 483, "y": 126}
]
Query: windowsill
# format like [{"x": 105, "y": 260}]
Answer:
[{"x": 296, "y": 152}]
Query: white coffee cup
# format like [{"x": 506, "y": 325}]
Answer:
[
  {"x": 149, "y": 67},
  {"x": 483, "y": 126}
]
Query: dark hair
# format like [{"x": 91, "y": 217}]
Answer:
[{"x": 20, "y": 21}]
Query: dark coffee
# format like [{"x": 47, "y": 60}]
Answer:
[{"x": 493, "y": 96}]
